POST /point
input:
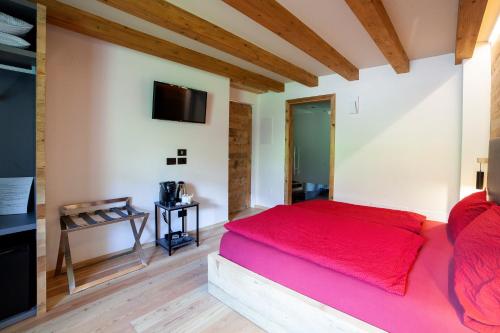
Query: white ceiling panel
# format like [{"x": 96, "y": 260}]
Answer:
[{"x": 426, "y": 28}]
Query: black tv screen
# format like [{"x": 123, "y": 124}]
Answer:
[{"x": 176, "y": 103}]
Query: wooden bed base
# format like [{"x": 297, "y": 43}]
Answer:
[{"x": 272, "y": 306}]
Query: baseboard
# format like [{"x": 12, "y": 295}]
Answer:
[
  {"x": 104, "y": 257},
  {"x": 112, "y": 255},
  {"x": 261, "y": 207},
  {"x": 213, "y": 226}
]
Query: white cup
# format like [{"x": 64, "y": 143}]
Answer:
[{"x": 187, "y": 199}]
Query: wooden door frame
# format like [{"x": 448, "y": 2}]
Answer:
[
  {"x": 289, "y": 142},
  {"x": 249, "y": 171}
]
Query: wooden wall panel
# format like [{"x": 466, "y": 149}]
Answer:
[
  {"x": 495, "y": 90},
  {"x": 240, "y": 157},
  {"x": 40, "y": 159}
]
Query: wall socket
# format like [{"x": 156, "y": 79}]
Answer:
[
  {"x": 182, "y": 160},
  {"x": 171, "y": 161},
  {"x": 181, "y": 152}
]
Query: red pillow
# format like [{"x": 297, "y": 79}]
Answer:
[
  {"x": 465, "y": 211},
  {"x": 477, "y": 272}
]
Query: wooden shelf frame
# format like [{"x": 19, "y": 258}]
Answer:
[{"x": 40, "y": 160}]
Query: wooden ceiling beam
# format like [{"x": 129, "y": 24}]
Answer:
[
  {"x": 491, "y": 13},
  {"x": 83, "y": 22},
  {"x": 166, "y": 15},
  {"x": 237, "y": 85},
  {"x": 374, "y": 18},
  {"x": 470, "y": 17},
  {"x": 273, "y": 16}
]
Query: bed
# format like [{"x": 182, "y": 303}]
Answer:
[
  {"x": 283, "y": 292},
  {"x": 246, "y": 266},
  {"x": 428, "y": 305}
]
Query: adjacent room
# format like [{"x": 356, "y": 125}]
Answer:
[
  {"x": 312, "y": 123},
  {"x": 250, "y": 166}
]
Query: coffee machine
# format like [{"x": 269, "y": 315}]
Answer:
[{"x": 168, "y": 195}]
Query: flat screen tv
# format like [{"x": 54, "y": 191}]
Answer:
[{"x": 176, "y": 103}]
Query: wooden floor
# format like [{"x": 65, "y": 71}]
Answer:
[{"x": 169, "y": 295}]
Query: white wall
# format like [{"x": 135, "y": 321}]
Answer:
[
  {"x": 242, "y": 96},
  {"x": 269, "y": 149},
  {"x": 403, "y": 148},
  {"x": 102, "y": 142},
  {"x": 476, "y": 115}
]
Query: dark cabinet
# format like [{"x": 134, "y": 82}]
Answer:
[
  {"x": 18, "y": 125},
  {"x": 17, "y": 273}
]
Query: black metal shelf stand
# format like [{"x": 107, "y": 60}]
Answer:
[{"x": 166, "y": 242}]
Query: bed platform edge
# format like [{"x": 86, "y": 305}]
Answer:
[{"x": 272, "y": 306}]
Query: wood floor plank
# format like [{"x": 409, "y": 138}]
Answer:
[
  {"x": 157, "y": 264},
  {"x": 169, "y": 295},
  {"x": 169, "y": 311},
  {"x": 111, "y": 312},
  {"x": 231, "y": 322},
  {"x": 189, "y": 319},
  {"x": 125, "y": 306}
]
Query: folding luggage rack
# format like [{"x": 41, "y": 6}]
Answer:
[{"x": 88, "y": 215}]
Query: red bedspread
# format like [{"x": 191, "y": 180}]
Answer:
[
  {"x": 396, "y": 218},
  {"x": 375, "y": 253}
]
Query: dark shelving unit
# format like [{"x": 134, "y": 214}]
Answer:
[
  {"x": 18, "y": 257},
  {"x": 26, "y": 11},
  {"x": 23, "y": 9},
  {"x": 167, "y": 242},
  {"x": 10, "y": 224},
  {"x": 11, "y": 56},
  {"x": 17, "y": 277}
]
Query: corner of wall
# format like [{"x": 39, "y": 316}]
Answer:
[{"x": 476, "y": 92}]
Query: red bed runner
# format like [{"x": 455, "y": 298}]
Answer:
[{"x": 375, "y": 253}]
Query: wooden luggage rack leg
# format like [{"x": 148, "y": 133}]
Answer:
[{"x": 65, "y": 251}]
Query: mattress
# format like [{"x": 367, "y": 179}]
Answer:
[{"x": 428, "y": 306}]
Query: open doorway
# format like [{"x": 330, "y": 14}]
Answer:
[{"x": 310, "y": 148}]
